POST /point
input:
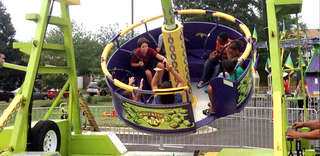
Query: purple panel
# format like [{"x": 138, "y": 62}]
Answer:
[
  {"x": 195, "y": 34},
  {"x": 231, "y": 96},
  {"x": 225, "y": 96},
  {"x": 195, "y": 63},
  {"x": 313, "y": 81},
  {"x": 315, "y": 64}
]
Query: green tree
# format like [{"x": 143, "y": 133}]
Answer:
[
  {"x": 9, "y": 79},
  {"x": 88, "y": 47},
  {"x": 249, "y": 12}
]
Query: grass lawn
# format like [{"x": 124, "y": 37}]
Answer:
[{"x": 40, "y": 108}]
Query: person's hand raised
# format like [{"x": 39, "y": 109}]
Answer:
[
  {"x": 131, "y": 80},
  {"x": 141, "y": 83}
]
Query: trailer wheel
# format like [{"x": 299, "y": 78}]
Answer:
[{"x": 45, "y": 136}]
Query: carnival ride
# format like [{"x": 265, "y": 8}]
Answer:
[
  {"x": 66, "y": 137},
  {"x": 230, "y": 96}
]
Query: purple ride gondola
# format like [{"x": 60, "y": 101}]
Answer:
[{"x": 230, "y": 96}]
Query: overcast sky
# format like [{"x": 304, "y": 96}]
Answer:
[{"x": 95, "y": 13}]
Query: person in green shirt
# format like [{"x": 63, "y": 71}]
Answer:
[
  {"x": 233, "y": 52},
  {"x": 239, "y": 71}
]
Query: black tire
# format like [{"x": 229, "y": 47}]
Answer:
[
  {"x": 9, "y": 99},
  {"x": 39, "y": 132},
  {"x": 91, "y": 94},
  {"x": 45, "y": 97},
  {"x": 103, "y": 93}
]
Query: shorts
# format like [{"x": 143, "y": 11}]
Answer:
[
  {"x": 141, "y": 70},
  {"x": 300, "y": 103}
]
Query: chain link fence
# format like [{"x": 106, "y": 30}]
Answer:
[{"x": 251, "y": 128}]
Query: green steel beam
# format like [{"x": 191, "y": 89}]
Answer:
[
  {"x": 169, "y": 20},
  {"x": 14, "y": 66},
  {"x": 53, "y": 19},
  {"x": 23, "y": 47},
  {"x": 27, "y": 46},
  {"x": 74, "y": 113},
  {"x": 301, "y": 70},
  {"x": 53, "y": 70},
  {"x": 56, "y": 101},
  {"x": 294, "y": 98},
  {"x": 280, "y": 115},
  {"x": 19, "y": 135},
  {"x": 288, "y": 6}
]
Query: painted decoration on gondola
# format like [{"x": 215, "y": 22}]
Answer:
[
  {"x": 161, "y": 119},
  {"x": 244, "y": 87}
]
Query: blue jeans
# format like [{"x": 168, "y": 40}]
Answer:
[{"x": 210, "y": 69}]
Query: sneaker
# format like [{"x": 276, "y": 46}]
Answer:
[
  {"x": 207, "y": 112},
  {"x": 205, "y": 56},
  {"x": 202, "y": 84},
  {"x": 206, "y": 90}
]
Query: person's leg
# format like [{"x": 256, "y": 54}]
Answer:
[
  {"x": 300, "y": 115},
  {"x": 148, "y": 76},
  {"x": 160, "y": 65},
  {"x": 216, "y": 69},
  {"x": 211, "y": 98},
  {"x": 211, "y": 110},
  {"x": 209, "y": 69}
]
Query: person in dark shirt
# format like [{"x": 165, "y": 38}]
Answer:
[
  {"x": 232, "y": 53},
  {"x": 144, "y": 59},
  {"x": 214, "y": 59}
]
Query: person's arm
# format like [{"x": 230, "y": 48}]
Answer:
[
  {"x": 138, "y": 64},
  {"x": 298, "y": 86},
  {"x": 307, "y": 89},
  {"x": 138, "y": 95},
  {"x": 315, "y": 134},
  {"x": 135, "y": 60},
  {"x": 311, "y": 124},
  {"x": 155, "y": 80},
  {"x": 130, "y": 83},
  {"x": 161, "y": 58},
  {"x": 176, "y": 75}
]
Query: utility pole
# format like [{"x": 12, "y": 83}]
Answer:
[{"x": 132, "y": 16}]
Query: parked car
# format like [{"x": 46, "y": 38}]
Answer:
[
  {"x": 6, "y": 95},
  {"x": 53, "y": 93},
  {"x": 92, "y": 88},
  {"x": 37, "y": 94},
  {"x": 104, "y": 91}
]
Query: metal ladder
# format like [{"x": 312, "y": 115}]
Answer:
[{"x": 34, "y": 49}]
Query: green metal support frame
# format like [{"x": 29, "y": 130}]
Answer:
[
  {"x": 14, "y": 139},
  {"x": 19, "y": 134},
  {"x": 169, "y": 19},
  {"x": 301, "y": 70},
  {"x": 279, "y": 103}
]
